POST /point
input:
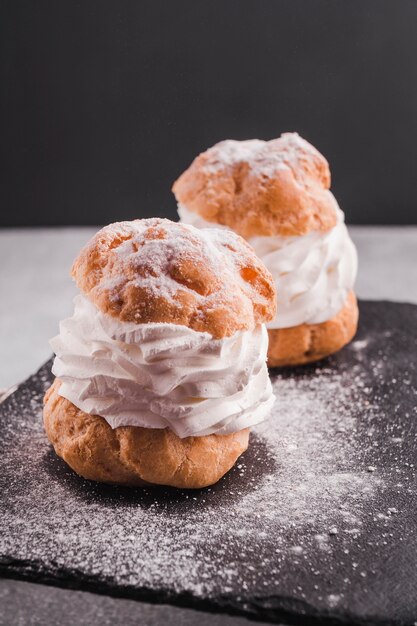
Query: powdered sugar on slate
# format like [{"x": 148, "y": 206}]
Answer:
[
  {"x": 305, "y": 452},
  {"x": 314, "y": 441},
  {"x": 295, "y": 518}
]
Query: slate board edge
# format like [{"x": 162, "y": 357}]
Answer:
[{"x": 273, "y": 610}]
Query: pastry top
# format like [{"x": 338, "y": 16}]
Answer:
[
  {"x": 277, "y": 187},
  {"x": 155, "y": 270}
]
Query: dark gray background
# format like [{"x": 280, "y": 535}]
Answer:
[{"x": 105, "y": 102}]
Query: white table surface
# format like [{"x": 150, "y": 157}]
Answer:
[{"x": 36, "y": 290}]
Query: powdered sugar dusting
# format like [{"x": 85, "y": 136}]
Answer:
[
  {"x": 307, "y": 482},
  {"x": 263, "y": 158},
  {"x": 315, "y": 444},
  {"x": 298, "y": 516},
  {"x": 175, "y": 271}
]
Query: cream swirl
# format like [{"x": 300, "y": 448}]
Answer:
[
  {"x": 162, "y": 375},
  {"x": 313, "y": 273}
]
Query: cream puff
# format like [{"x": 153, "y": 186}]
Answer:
[
  {"x": 161, "y": 371},
  {"x": 276, "y": 194}
]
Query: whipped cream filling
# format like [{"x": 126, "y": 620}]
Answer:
[
  {"x": 313, "y": 273},
  {"x": 162, "y": 375}
]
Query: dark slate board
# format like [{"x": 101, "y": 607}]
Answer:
[{"x": 315, "y": 525}]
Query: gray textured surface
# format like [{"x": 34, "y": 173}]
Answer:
[
  {"x": 27, "y": 604},
  {"x": 37, "y": 291}
]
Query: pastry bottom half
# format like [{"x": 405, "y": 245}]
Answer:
[
  {"x": 135, "y": 456},
  {"x": 311, "y": 342}
]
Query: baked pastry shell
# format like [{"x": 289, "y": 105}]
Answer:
[
  {"x": 166, "y": 273},
  {"x": 246, "y": 196},
  {"x": 133, "y": 456},
  {"x": 307, "y": 343}
]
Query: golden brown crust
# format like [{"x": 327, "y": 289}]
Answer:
[
  {"x": 278, "y": 187},
  {"x": 155, "y": 270},
  {"x": 312, "y": 342},
  {"x": 136, "y": 456}
]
